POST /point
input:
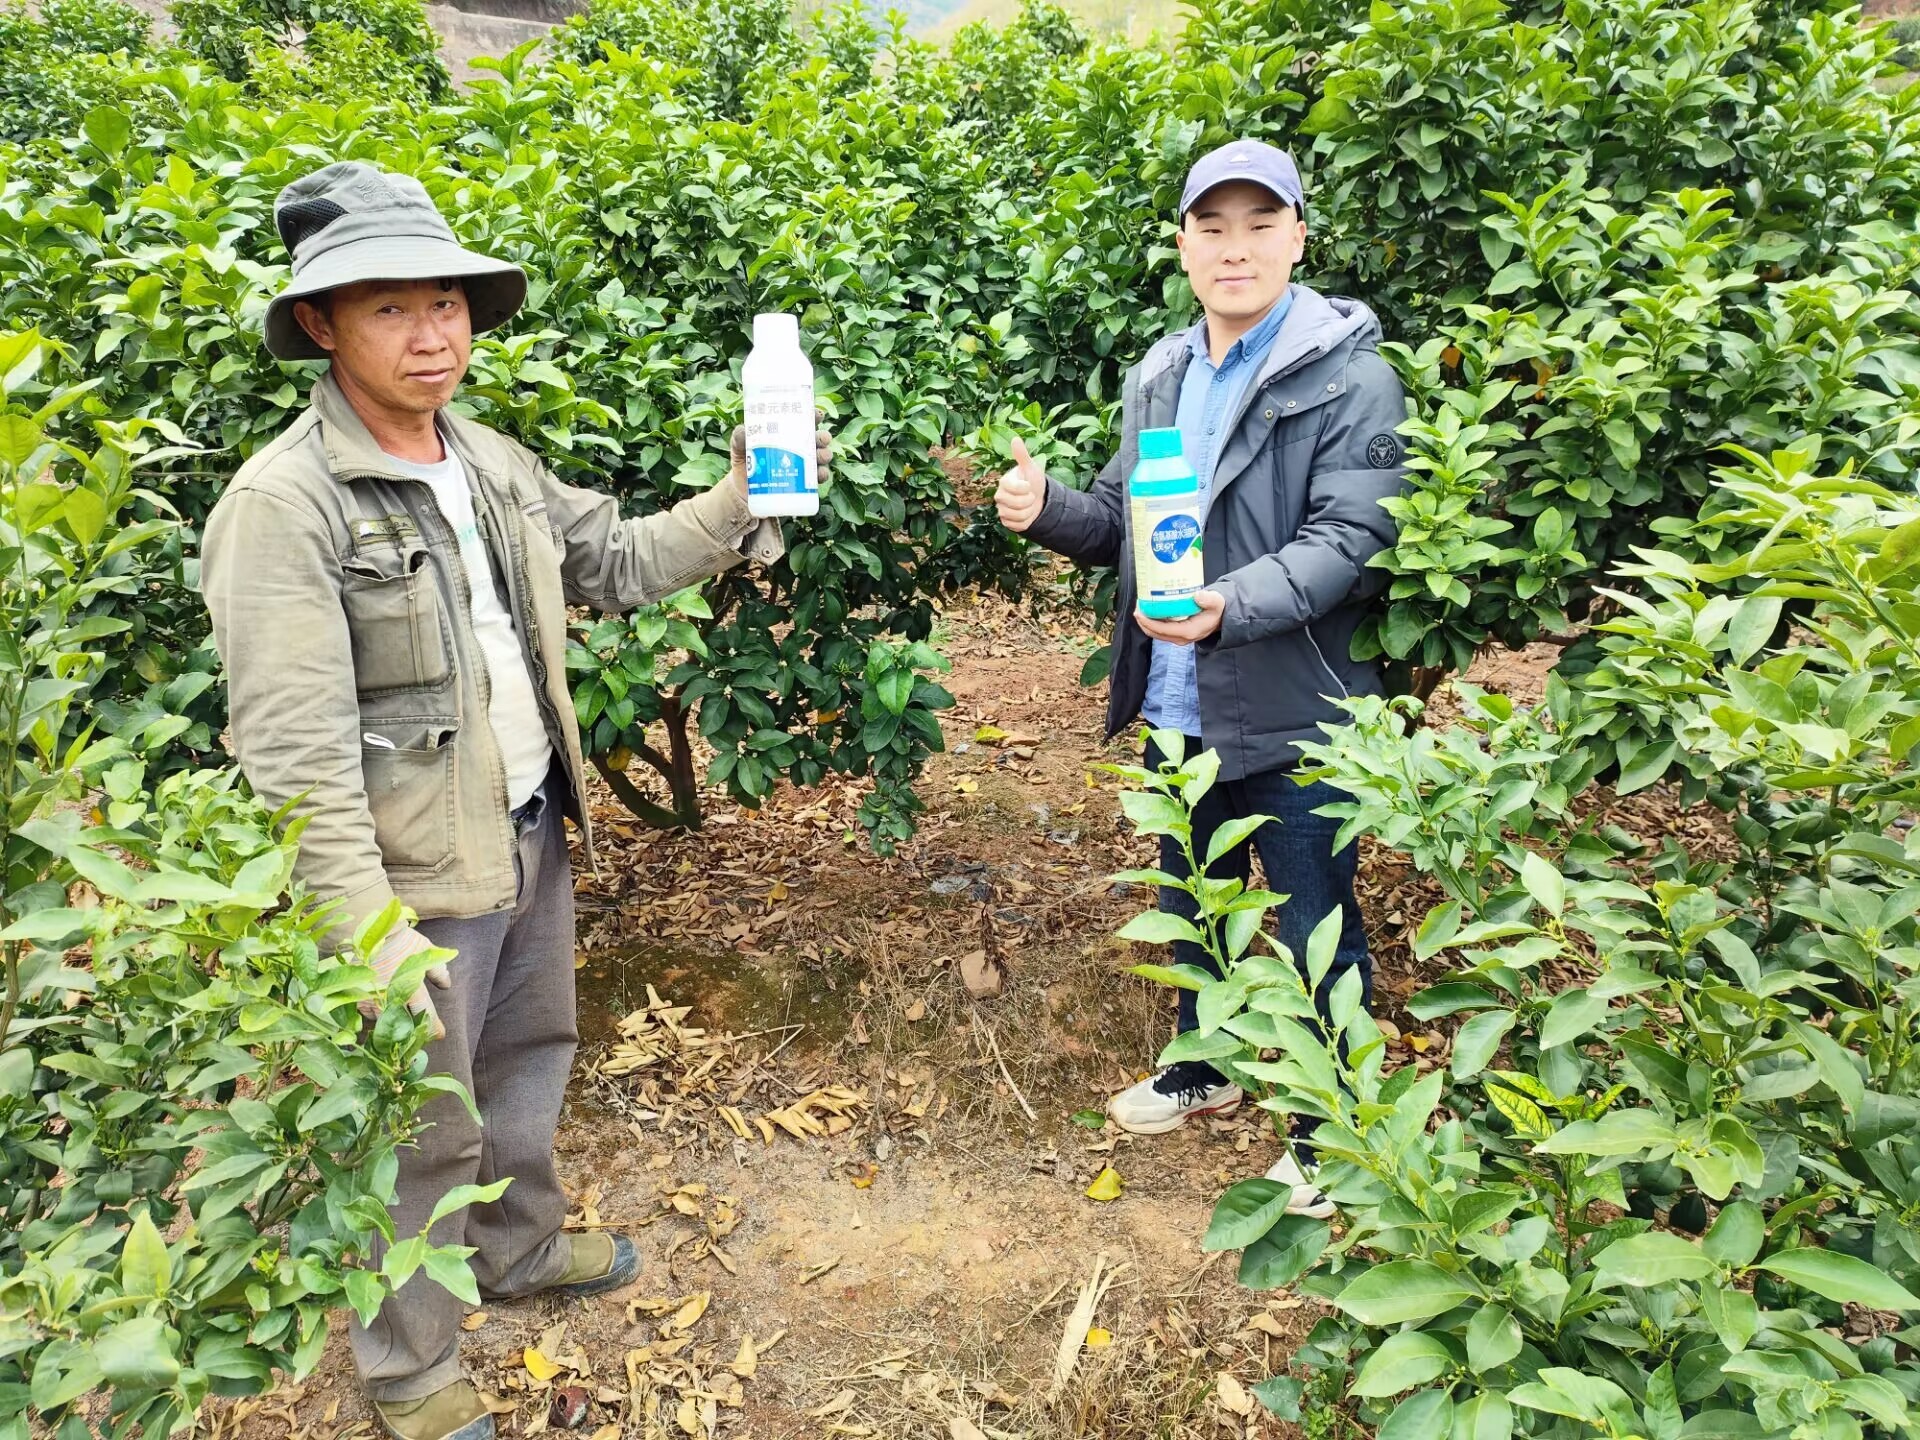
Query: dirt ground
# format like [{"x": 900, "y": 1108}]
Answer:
[{"x": 910, "y": 1269}]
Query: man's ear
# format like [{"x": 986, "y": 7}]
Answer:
[{"x": 315, "y": 322}]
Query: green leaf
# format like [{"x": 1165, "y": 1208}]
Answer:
[
  {"x": 85, "y": 514},
  {"x": 447, "y": 1266},
  {"x": 1493, "y": 1338},
  {"x": 1572, "y": 1014},
  {"x": 1282, "y": 1255},
  {"x": 895, "y": 690},
  {"x": 1841, "y": 1278},
  {"x": 1485, "y": 1416},
  {"x": 1402, "y": 1290},
  {"x": 1421, "y": 1416},
  {"x": 145, "y": 1269},
  {"x": 1562, "y": 1391},
  {"x": 1753, "y": 624},
  {"x": 1157, "y": 927},
  {"x": 1404, "y": 1360},
  {"x": 1737, "y": 1234},
  {"x": 1180, "y": 977},
  {"x": 1475, "y": 1042},
  {"x": 137, "y": 1354},
  {"x": 1544, "y": 883},
  {"x": 365, "y": 1294},
  {"x": 1245, "y": 1213},
  {"x": 109, "y": 129},
  {"x": 462, "y": 1196},
  {"x": 19, "y": 438},
  {"x": 1230, "y": 836},
  {"x": 1656, "y": 1258},
  {"x": 1733, "y": 1314},
  {"x": 1281, "y": 1396},
  {"x": 1647, "y": 765}
]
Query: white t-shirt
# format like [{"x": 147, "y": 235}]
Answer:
[{"x": 513, "y": 708}]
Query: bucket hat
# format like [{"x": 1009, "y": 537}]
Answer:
[{"x": 351, "y": 222}]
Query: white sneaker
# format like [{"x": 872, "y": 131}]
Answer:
[
  {"x": 1166, "y": 1101},
  {"x": 1307, "y": 1199}
]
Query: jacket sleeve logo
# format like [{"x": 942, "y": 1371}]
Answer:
[{"x": 1383, "y": 452}]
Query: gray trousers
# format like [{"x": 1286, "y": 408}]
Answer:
[{"x": 510, "y": 1039}]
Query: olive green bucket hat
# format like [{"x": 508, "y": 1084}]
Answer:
[{"x": 351, "y": 222}]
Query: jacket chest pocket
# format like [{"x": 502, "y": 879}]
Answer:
[{"x": 395, "y": 618}]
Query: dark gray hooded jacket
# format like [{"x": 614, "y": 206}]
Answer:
[{"x": 1294, "y": 517}]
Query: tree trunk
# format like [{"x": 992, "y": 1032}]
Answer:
[{"x": 676, "y": 768}]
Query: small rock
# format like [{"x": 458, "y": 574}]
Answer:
[
  {"x": 951, "y": 884},
  {"x": 883, "y": 1148},
  {"x": 568, "y": 1410},
  {"x": 1068, "y": 838},
  {"x": 963, "y": 747},
  {"x": 980, "y": 890},
  {"x": 1045, "y": 815},
  {"x": 1120, "y": 889},
  {"x": 1012, "y": 916}
]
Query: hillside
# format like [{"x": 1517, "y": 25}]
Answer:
[{"x": 1131, "y": 19}]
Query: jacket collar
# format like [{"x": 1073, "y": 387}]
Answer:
[
  {"x": 353, "y": 453},
  {"x": 1315, "y": 325}
]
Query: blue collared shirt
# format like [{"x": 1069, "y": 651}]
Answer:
[{"x": 1210, "y": 398}]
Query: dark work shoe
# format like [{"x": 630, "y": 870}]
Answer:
[
  {"x": 454, "y": 1413},
  {"x": 602, "y": 1261}
]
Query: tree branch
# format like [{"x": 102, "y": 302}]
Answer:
[{"x": 652, "y": 813}]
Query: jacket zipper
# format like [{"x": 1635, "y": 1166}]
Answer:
[
  {"x": 524, "y": 608},
  {"x": 1332, "y": 675}
]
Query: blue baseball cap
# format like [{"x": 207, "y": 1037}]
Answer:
[{"x": 1253, "y": 160}]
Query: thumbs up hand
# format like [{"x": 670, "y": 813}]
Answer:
[{"x": 1022, "y": 493}]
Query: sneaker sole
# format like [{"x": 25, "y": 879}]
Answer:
[
  {"x": 1162, "y": 1127},
  {"x": 479, "y": 1429}
]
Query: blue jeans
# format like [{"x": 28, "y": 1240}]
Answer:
[{"x": 1298, "y": 857}]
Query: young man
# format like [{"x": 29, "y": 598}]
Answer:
[
  {"x": 388, "y": 583},
  {"x": 1288, "y": 415}
]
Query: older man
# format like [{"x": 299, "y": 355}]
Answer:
[{"x": 388, "y": 582}]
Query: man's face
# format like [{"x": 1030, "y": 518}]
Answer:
[
  {"x": 1239, "y": 244},
  {"x": 403, "y": 344}
]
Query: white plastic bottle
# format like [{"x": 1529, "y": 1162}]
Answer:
[{"x": 782, "y": 476}]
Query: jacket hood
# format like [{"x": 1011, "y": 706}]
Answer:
[{"x": 1314, "y": 325}]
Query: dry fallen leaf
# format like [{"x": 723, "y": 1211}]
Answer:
[
  {"x": 1233, "y": 1395},
  {"x": 843, "y": 1401},
  {"x": 689, "y": 1313},
  {"x": 917, "y": 1011},
  {"x": 1098, "y": 1338},
  {"x": 961, "y": 1428},
  {"x": 1106, "y": 1185},
  {"x": 746, "y": 1362},
  {"x": 538, "y": 1365},
  {"x": 474, "y": 1321}
]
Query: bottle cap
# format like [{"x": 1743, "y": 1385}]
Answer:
[
  {"x": 1160, "y": 444},
  {"x": 776, "y": 329}
]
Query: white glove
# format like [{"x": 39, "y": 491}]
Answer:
[{"x": 392, "y": 954}]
